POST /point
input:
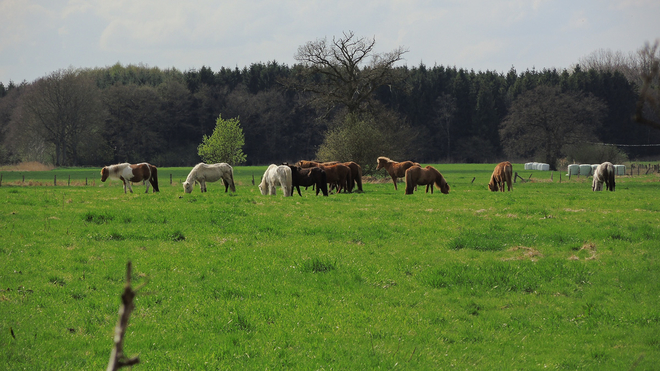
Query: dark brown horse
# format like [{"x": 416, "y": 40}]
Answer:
[
  {"x": 314, "y": 176},
  {"x": 427, "y": 176},
  {"x": 338, "y": 176},
  {"x": 502, "y": 174},
  {"x": 128, "y": 173},
  {"x": 355, "y": 173},
  {"x": 395, "y": 169}
]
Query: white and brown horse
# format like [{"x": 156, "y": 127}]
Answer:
[
  {"x": 502, "y": 174},
  {"x": 128, "y": 173},
  {"x": 604, "y": 174}
]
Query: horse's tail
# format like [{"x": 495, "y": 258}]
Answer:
[
  {"x": 323, "y": 184},
  {"x": 410, "y": 183},
  {"x": 231, "y": 179},
  {"x": 508, "y": 171},
  {"x": 154, "y": 177},
  {"x": 610, "y": 176},
  {"x": 358, "y": 179}
]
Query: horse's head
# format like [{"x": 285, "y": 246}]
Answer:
[
  {"x": 105, "y": 173},
  {"x": 188, "y": 187},
  {"x": 382, "y": 161},
  {"x": 493, "y": 186},
  {"x": 263, "y": 189}
]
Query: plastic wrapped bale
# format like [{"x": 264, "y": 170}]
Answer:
[
  {"x": 573, "y": 169},
  {"x": 585, "y": 169},
  {"x": 528, "y": 165},
  {"x": 544, "y": 167},
  {"x": 620, "y": 169}
]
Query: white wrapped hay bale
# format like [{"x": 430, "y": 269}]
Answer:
[
  {"x": 528, "y": 165},
  {"x": 620, "y": 169},
  {"x": 585, "y": 169},
  {"x": 544, "y": 167},
  {"x": 573, "y": 169}
]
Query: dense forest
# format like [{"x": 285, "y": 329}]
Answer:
[{"x": 138, "y": 113}]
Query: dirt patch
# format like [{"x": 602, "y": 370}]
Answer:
[
  {"x": 526, "y": 253},
  {"x": 28, "y": 166}
]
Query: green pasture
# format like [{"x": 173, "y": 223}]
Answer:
[{"x": 551, "y": 275}]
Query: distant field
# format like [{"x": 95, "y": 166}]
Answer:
[{"x": 551, "y": 275}]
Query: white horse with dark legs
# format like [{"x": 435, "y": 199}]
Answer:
[
  {"x": 203, "y": 173},
  {"x": 276, "y": 175},
  {"x": 128, "y": 173},
  {"x": 604, "y": 173}
]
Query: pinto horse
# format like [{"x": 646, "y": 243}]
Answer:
[
  {"x": 276, "y": 175},
  {"x": 416, "y": 175},
  {"x": 314, "y": 176},
  {"x": 128, "y": 173},
  {"x": 503, "y": 173},
  {"x": 604, "y": 174},
  {"x": 203, "y": 173},
  {"x": 395, "y": 169}
]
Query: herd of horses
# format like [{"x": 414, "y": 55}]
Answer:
[{"x": 326, "y": 176}]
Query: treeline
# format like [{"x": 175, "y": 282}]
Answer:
[{"x": 160, "y": 116}]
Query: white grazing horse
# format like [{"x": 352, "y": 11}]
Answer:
[
  {"x": 276, "y": 175},
  {"x": 603, "y": 173},
  {"x": 203, "y": 173}
]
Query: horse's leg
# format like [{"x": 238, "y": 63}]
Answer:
[
  {"x": 124, "y": 185},
  {"x": 226, "y": 185},
  {"x": 394, "y": 181},
  {"x": 130, "y": 187},
  {"x": 147, "y": 186}
]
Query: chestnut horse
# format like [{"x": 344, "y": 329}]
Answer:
[
  {"x": 128, "y": 173},
  {"x": 338, "y": 178},
  {"x": 314, "y": 176},
  {"x": 416, "y": 175},
  {"x": 604, "y": 173},
  {"x": 395, "y": 169},
  {"x": 503, "y": 173}
]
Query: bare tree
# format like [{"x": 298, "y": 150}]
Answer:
[
  {"x": 648, "y": 106},
  {"x": 445, "y": 107},
  {"x": 338, "y": 73},
  {"x": 541, "y": 122},
  {"x": 65, "y": 109}
]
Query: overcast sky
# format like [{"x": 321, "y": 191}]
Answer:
[{"x": 38, "y": 37}]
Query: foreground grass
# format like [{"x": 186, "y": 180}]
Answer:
[{"x": 550, "y": 275}]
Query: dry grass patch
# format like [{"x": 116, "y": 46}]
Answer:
[{"x": 526, "y": 253}]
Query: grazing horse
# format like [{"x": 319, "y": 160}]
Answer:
[
  {"x": 276, "y": 175},
  {"x": 314, "y": 176},
  {"x": 128, "y": 173},
  {"x": 356, "y": 174},
  {"x": 417, "y": 175},
  {"x": 502, "y": 174},
  {"x": 337, "y": 177},
  {"x": 395, "y": 169},
  {"x": 604, "y": 174},
  {"x": 203, "y": 173}
]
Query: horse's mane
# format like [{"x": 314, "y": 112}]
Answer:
[
  {"x": 383, "y": 158},
  {"x": 193, "y": 172}
]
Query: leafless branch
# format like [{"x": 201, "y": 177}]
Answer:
[{"x": 117, "y": 357}]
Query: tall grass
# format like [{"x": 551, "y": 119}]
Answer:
[{"x": 551, "y": 275}]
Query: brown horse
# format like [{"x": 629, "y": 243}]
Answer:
[
  {"x": 128, "y": 173},
  {"x": 395, "y": 169},
  {"x": 356, "y": 171},
  {"x": 416, "y": 175},
  {"x": 339, "y": 176},
  {"x": 314, "y": 176},
  {"x": 503, "y": 173}
]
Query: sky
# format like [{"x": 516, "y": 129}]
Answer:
[{"x": 38, "y": 37}]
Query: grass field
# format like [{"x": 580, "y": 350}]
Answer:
[{"x": 551, "y": 275}]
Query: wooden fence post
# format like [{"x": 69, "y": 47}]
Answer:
[
  {"x": 85, "y": 181},
  {"x": 68, "y": 182},
  {"x": 170, "y": 179},
  {"x": 23, "y": 179},
  {"x": 55, "y": 180}
]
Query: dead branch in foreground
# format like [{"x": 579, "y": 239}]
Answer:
[{"x": 117, "y": 357}]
